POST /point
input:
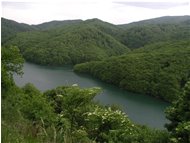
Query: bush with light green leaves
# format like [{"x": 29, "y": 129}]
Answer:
[{"x": 179, "y": 115}]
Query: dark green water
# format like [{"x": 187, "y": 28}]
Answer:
[{"x": 141, "y": 109}]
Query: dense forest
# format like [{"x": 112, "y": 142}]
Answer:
[
  {"x": 151, "y": 57},
  {"x": 149, "y": 70},
  {"x": 139, "y": 36}
]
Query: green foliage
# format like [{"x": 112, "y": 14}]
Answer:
[
  {"x": 63, "y": 97},
  {"x": 79, "y": 119},
  {"x": 179, "y": 115},
  {"x": 26, "y": 115},
  {"x": 11, "y": 63},
  {"x": 22, "y": 110},
  {"x": 19, "y": 133},
  {"x": 110, "y": 126},
  {"x": 86, "y": 121},
  {"x": 149, "y": 70},
  {"x": 35, "y": 107},
  {"x": 15, "y": 128}
]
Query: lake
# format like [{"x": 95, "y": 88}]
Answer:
[{"x": 141, "y": 109}]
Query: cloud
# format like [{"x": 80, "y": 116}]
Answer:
[
  {"x": 17, "y": 5},
  {"x": 113, "y": 11},
  {"x": 153, "y": 5}
]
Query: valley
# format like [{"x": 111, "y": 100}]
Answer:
[{"x": 93, "y": 81}]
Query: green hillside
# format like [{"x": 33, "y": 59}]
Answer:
[
  {"x": 111, "y": 29},
  {"x": 69, "y": 44},
  {"x": 10, "y": 28},
  {"x": 139, "y": 34},
  {"x": 159, "y": 70}
]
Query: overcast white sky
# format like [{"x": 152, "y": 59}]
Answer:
[{"x": 113, "y": 11}]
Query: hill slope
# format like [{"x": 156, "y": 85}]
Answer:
[
  {"x": 69, "y": 44},
  {"x": 139, "y": 34},
  {"x": 160, "y": 70},
  {"x": 10, "y": 28}
]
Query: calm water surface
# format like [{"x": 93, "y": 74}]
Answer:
[{"x": 141, "y": 109}]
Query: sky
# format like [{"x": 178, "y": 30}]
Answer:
[{"x": 113, "y": 11}]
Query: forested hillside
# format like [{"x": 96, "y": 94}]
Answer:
[
  {"x": 10, "y": 28},
  {"x": 169, "y": 28},
  {"x": 68, "y": 45},
  {"x": 159, "y": 70},
  {"x": 77, "y": 41}
]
